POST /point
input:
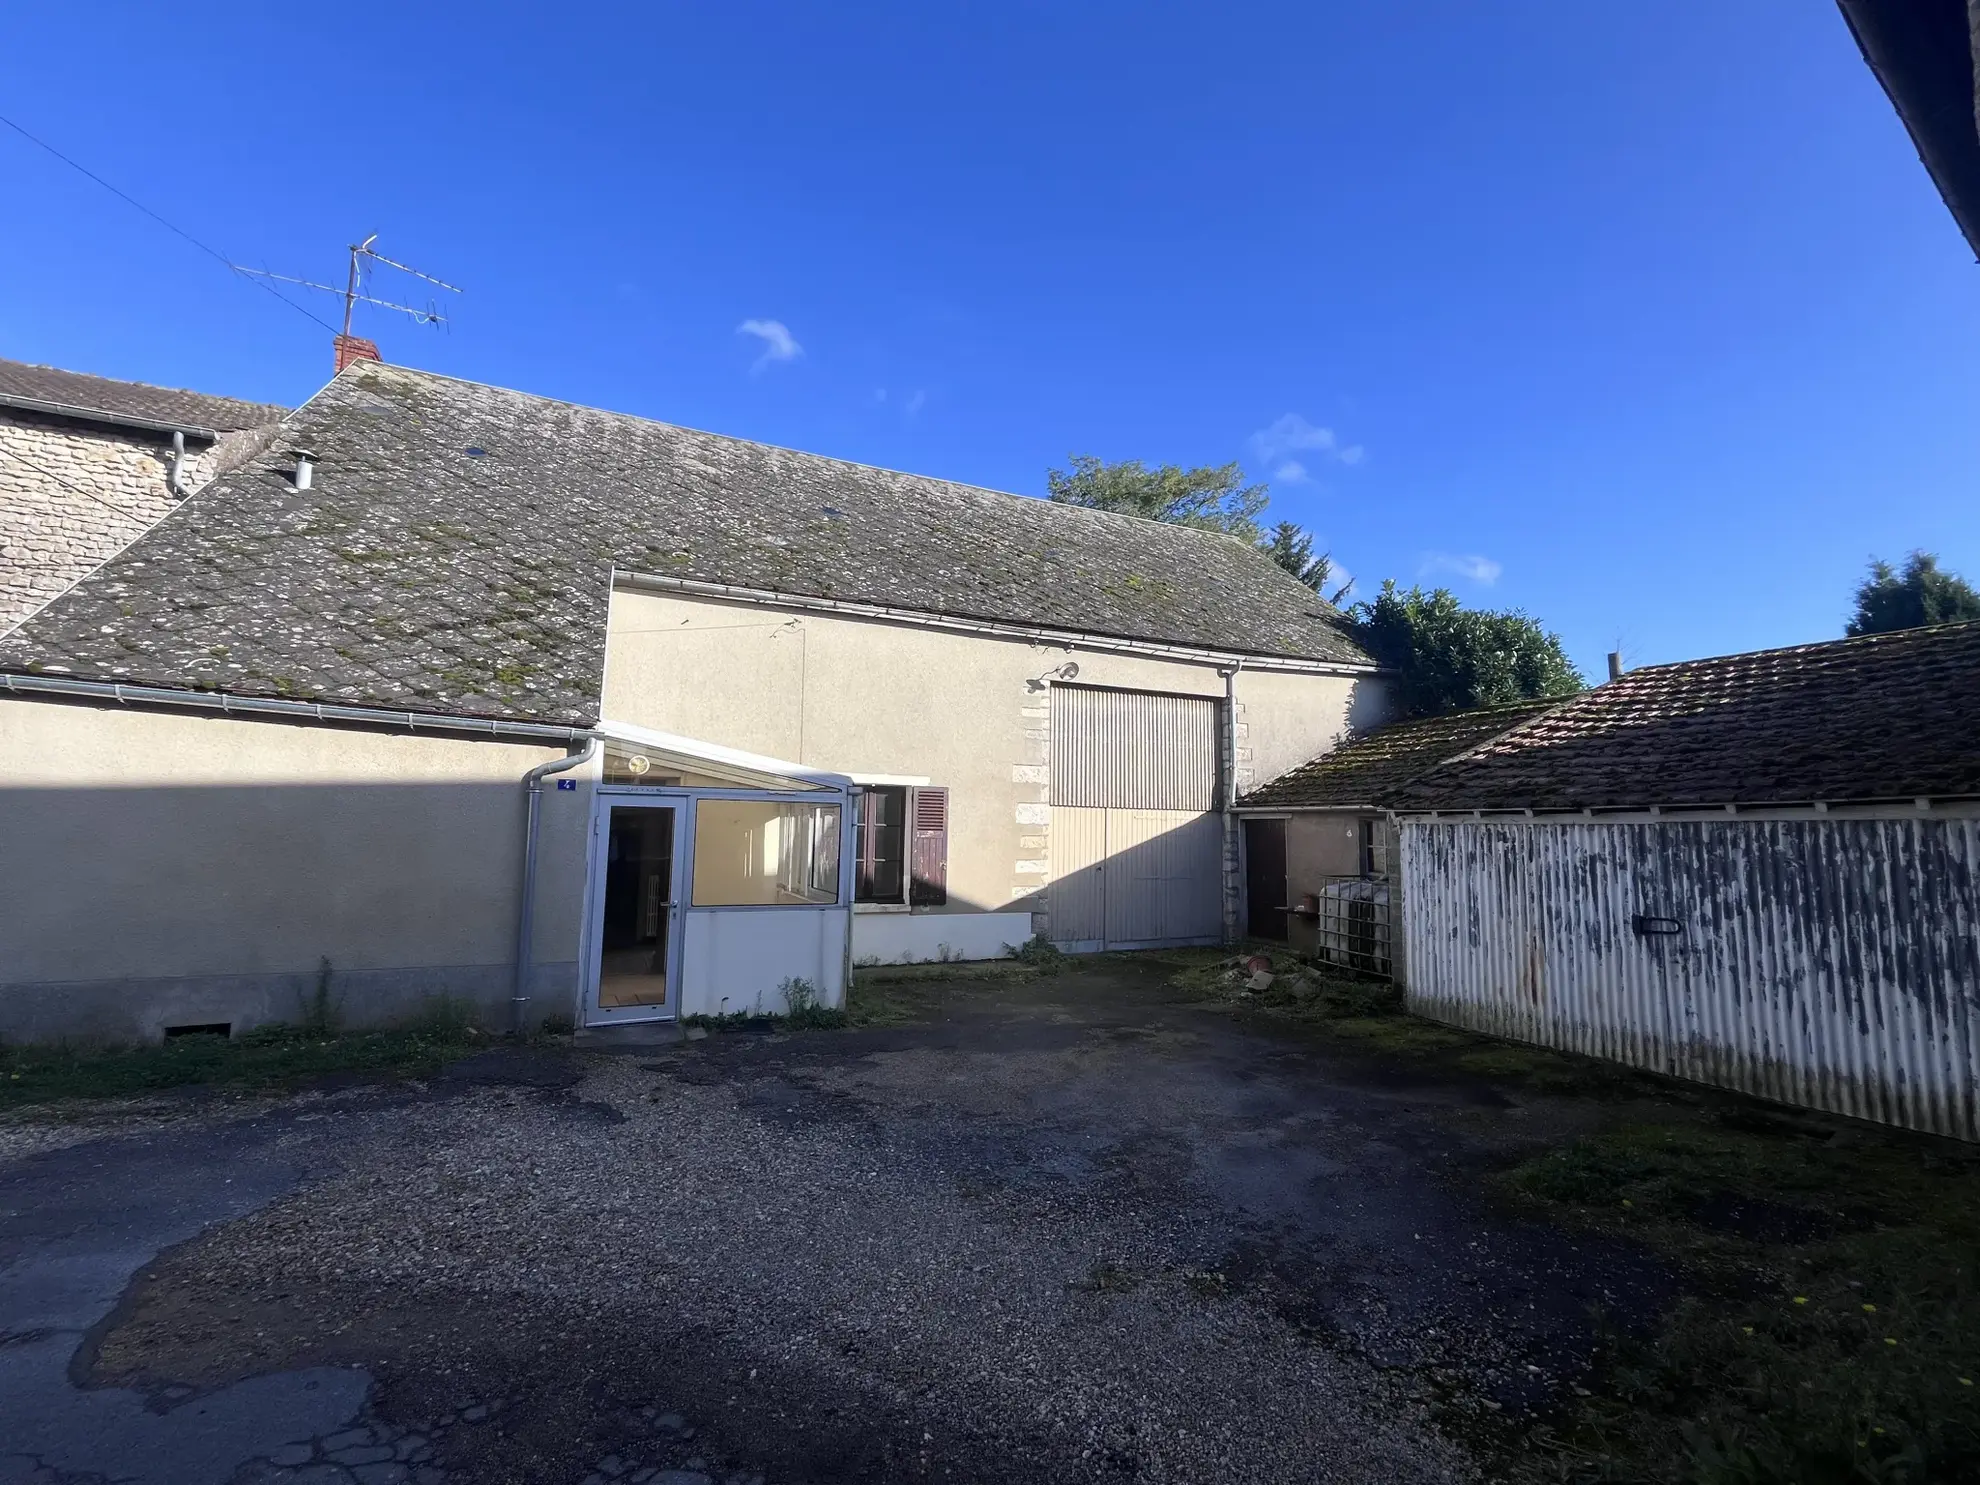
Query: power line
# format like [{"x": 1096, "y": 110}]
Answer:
[{"x": 128, "y": 200}]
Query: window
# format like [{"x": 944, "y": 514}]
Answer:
[
  {"x": 765, "y": 853},
  {"x": 901, "y": 845},
  {"x": 1374, "y": 859},
  {"x": 880, "y": 844}
]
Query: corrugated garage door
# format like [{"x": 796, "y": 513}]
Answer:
[{"x": 1137, "y": 844}]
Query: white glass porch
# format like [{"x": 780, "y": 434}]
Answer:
[{"x": 717, "y": 882}]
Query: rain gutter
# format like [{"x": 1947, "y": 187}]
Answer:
[
  {"x": 222, "y": 704},
  {"x": 1033, "y": 633}
]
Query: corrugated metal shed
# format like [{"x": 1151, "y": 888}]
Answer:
[{"x": 1827, "y": 961}]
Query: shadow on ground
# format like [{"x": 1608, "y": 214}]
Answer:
[{"x": 1071, "y": 1227}]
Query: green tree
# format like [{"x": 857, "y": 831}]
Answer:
[
  {"x": 1448, "y": 657},
  {"x": 1214, "y": 496},
  {"x": 1922, "y": 594},
  {"x": 1291, "y": 546}
]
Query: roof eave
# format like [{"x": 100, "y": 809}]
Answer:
[
  {"x": 1727, "y": 808},
  {"x": 636, "y": 581},
  {"x": 1906, "y": 46},
  {"x": 80, "y": 414}
]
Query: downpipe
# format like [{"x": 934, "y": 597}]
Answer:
[
  {"x": 532, "y": 783},
  {"x": 1227, "y": 805}
]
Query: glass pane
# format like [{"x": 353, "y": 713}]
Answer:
[
  {"x": 632, "y": 763},
  {"x": 639, "y": 902},
  {"x": 765, "y": 853},
  {"x": 880, "y": 830}
]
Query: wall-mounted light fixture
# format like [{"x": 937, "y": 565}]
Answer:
[{"x": 1064, "y": 672}]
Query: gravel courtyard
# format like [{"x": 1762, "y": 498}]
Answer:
[{"x": 1068, "y": 1228}]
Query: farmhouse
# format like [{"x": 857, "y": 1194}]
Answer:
[{"x": 453, "y": 690}]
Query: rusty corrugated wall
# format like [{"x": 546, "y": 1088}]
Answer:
[{"x": 1831, "y": 963}]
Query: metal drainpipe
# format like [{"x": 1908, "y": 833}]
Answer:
[
  {"x": 532, "y": 783},
  {"x": 175, "y": 476},
  {"x": 1232, "y": 879}
]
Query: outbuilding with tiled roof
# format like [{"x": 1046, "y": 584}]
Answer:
[{"x": 1757, "y": 870}]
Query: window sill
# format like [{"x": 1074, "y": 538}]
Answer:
[{"x": 881, "y": 907}]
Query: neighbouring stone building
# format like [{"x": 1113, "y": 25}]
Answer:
[{"x": 87, "y": 466}]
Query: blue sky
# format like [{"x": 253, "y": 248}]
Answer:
[{"x": 1643, "y": 318}]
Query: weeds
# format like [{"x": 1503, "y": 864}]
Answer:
[
  {"x": 802, "y": 1010},
  {"x": 1038, "y": 952},
  {"x": 266, "y": 1058}
]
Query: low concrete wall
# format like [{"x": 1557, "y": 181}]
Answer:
[
  {"x": 921, "y": 938},
  {"x": 143, "y": 1010}
]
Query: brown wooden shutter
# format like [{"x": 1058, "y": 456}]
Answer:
[{"x": 928, "y": 852}]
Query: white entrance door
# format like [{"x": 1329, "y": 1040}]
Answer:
[{"x": 638, "y": 857}]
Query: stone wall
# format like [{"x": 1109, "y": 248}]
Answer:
[{"x": 74, "y": 494}]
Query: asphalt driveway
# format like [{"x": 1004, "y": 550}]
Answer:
[{"x": 1070, "y": 1228}]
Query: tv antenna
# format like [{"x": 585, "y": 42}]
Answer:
[{"x": 362, "y": 256}]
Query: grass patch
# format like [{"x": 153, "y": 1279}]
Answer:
[
  {"x": 1010, "y": 969},
  {"x": 266, "y": 1058},
  {"x": 1832, "y": 1331},
  {"x": 1372, "y": 1013},
  {"x": 891, "y": 1000},
  {"x": 1829, "y": 1332}
]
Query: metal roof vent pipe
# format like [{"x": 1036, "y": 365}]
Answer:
[
  {"x": 175, "y": 474},
  {"x": 305, "y": 468},
  {"x": 1615, "y": 665}
]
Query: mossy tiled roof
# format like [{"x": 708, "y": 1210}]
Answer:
[
  {"x": 1883, "y": 717},
  {"x": 1364, "y": 771},
  {"x": 456, "y": 550}
]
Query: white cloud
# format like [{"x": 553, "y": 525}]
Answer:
[
  {"x": 1469, "y": 566},
  {"x": 778, "y": 342},
  {"x": 917, "y": 402},
  {"x": 1292, "y": 434},
  {"x": 1292, "y": 472}
]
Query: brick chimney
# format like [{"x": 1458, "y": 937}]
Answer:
[{"x": 355, "y": 348}]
